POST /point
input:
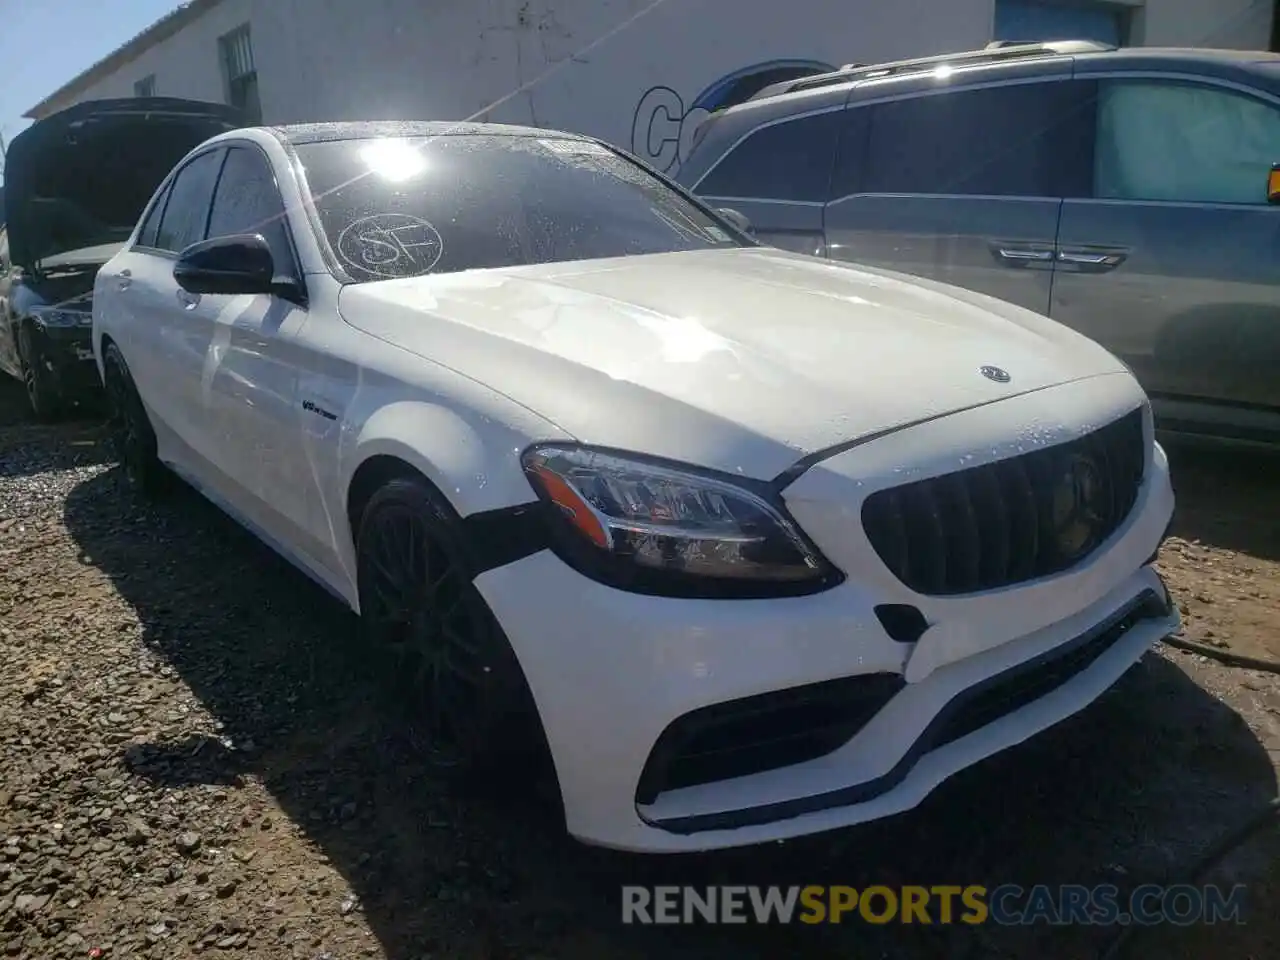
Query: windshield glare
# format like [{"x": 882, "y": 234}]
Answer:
[{"x": 402, "y": 207}]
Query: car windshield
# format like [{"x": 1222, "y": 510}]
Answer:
[{"x": 402, "y": 207}]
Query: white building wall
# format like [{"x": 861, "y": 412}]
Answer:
[
  {"x": 459, "y": 58},
  {"x": 544, "y": 62},
  {"x": 186, "y": 64}
]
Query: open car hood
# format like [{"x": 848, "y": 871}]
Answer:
[{"x": 82, "y": 177}]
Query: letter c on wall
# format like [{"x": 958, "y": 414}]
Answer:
[{"x": 655, "y": 127}]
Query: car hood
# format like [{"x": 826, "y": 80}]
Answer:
[
  {"x": 83, "y": 176},
  {"x": 67, "y": 279},
  {"x": 741, "y": 360}
]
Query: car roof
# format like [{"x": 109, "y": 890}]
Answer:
[
  {"x": 1002, "y": 54},
  {"x": 1192, "y": 54},
  {"x": 375, "y": 129},
  {"x": 1202, "y": 60}
]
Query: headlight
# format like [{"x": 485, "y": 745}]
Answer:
[
  {"x": 658, "y": 528},
  {"x": 59, "y": 317}
]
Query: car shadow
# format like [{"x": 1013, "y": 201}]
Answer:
[
  {"x": 1226, "y": 495},
  {"x": 1146, "y": 777}
]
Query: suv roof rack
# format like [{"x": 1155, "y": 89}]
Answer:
[{"x": 997, "y": 51}]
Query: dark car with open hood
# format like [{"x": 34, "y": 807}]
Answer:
[{"x": 75, "y": 185}]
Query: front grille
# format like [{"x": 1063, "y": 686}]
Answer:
[{"x": 1013, "y": 520}]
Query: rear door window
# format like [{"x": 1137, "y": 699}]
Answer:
[
  {"x": 151, "y": 225},
  {"x": 186, "y": 215},
  {"x": 1018, "y": 140},
  {"x": 787, "y": 160}
]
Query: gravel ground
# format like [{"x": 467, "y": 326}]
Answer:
[{"x": 194, "y": 757}]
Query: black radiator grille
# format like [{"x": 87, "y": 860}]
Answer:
[{"x": 1013, "y": 520}]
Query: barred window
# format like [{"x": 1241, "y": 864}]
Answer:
[{"x": 240, "y": 73}]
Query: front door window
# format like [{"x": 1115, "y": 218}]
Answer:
[{"x": 1183, "y": 142}]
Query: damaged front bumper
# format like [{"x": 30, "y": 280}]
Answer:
[{"x": 62, "y": 343}]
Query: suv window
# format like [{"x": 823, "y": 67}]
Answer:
[
  {"x": 187, "y": 212},
  {"x": 1020, "y": 140},
  {"x": 151, "y": 226},
  {"x": 248, "y": 201},
  {"x": 1171, "y": 140},
  {"x": 790, "y": 160}
]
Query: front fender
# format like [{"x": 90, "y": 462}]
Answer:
[
  {"x": 476, "y": 465},
  {"x": 471, "y": 458}
]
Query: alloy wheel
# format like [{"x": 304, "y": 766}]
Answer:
[
  {"x": 419, "y": 607},
  {"x": 129, "y": 430},
  {"x": 42, "y": 396},
  {"x": 33, "y": 389}
]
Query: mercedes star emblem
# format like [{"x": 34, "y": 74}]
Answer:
[
  {"x": 1076, "y": 508},
  {"x": 995, "y": 373}
]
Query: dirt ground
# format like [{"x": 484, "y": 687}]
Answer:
[{"x": 195, "y": 758}]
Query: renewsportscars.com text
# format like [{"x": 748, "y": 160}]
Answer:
[{"x": 1008, "y": 904}]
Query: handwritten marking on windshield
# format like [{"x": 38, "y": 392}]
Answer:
[{"x": 391, "y": 245}]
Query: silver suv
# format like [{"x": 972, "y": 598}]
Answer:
[{"x": 1128, "y": 193}]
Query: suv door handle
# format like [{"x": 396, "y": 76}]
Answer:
[
  {"x": 1012, "y": 255},
  {"x": 124, "y": 279},
  {"x": 1093, "y": 259}
]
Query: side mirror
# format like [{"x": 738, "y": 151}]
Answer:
[
  {"x": 227, "y": 265},
  {"x": 1273, "y": 184},
  {"x": 738, "y": 219}
]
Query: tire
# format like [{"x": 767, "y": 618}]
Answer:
[
  {"x": 131, "y": 431},
  {"x": 454, "y": 675},
  {"x": 45, "y": 399}
]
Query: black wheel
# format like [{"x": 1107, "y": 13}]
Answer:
[
  {"x": 135, "y": 441},
  {"x": 464, "y": 696},
  {"x": 46, "y": 400}
]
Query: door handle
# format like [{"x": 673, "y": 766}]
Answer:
[
  {"x": 124, "y": 279},
  {"x": 188, "y": 300},
  {"x": 1012, "y": 255},
  {"x": 1092, "y": 259}
]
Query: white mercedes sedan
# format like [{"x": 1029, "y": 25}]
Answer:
[{"x": 753, "y": 544}]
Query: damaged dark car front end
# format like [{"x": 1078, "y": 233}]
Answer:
[
  {"x": 45, "y": 341},
  {"x": 75, "y": 185}
]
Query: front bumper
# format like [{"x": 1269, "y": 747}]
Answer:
[
  {"x": 611, "y": 671},
  {"x": 65, "y": 352}
]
